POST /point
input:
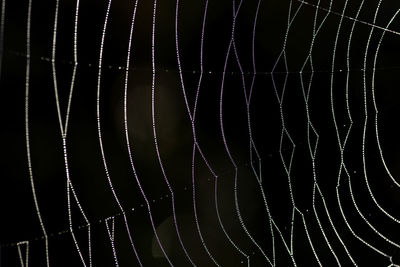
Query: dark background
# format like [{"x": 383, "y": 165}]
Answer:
[{"x": 18, "y": 217}]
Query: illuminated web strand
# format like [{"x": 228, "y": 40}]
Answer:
[
  {"x": 127, "y": 134},
  {"x": 372, "y": 25},
  {"x": 24, "y": 261},
  {"x": 178, "y": 55},
  {"x": 366, "y": 122},
  {"x": 162, "y": 165},
  {"x": 342, "y": 146},
  {"x": 196, "y": 147},
  {"x": 335, "y": 123},
  {"x": 195, "y": 143},
  {"x": 358, "y": 210},
  {"x": 153, "y": 100},
  {"x": 363, "y": 151},
  {"x": 284, "y": 132},
  {"x": 195, "y": 210},
  {"x": 64, "y": 127},
  {"x": 312, "y": 153},
  {"x": 348, "y": 225},
  {"x": 248, "y": 99},
  {"x": 284, "y": 242},
  {"x": 222, "y": 226},
  {"x": 63, "y": 130},
  {"x": 111, "y": 235},
  {"x": 70, "y": 189},
  {"x": 27, "y": 135},
  {"x": 369, "y": 224},
  {"x": 310, "y": 126},
  {"x": 283, "y": 53},
  {"x": 99, "y": 128},
  {"x": 252, "y": 145},
  {"x": 343, "y": 167},
  {"x": 280, "y": 99},
  {"x": 353, "y": 198},
  {"x": 53, "y": 67},
  {"x": 253, "y": 57},
  {"x": 375, "y": 105},
  {"x": 235, "y": 13}
]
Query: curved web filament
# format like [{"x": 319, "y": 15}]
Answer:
[
  {"x": 252, "y": 146},
  {"x": 63, "y": 131},
  {"x": 196, "y": 145},
  {"x": 311, "y": 131},
  {"x": 100, "y": 134},
  {"x": 27, "y": 135},
  {"x": 395, "y": 182},
  {"x": 283, "y": 128},
  {"x": 127, "y": 132},
  {"x": 366, "y": 123},
  {"x": 342, "y": 143},
  {"x": 234, "y": 165},
  {"x": 286, "y": 135}
]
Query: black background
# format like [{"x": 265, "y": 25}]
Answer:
[{"x": 18, "y": 216}]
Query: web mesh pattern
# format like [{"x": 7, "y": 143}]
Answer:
[{"x": 199, "y": 133}]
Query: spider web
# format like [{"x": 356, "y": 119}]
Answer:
[{"x": 206, "y": 133}]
